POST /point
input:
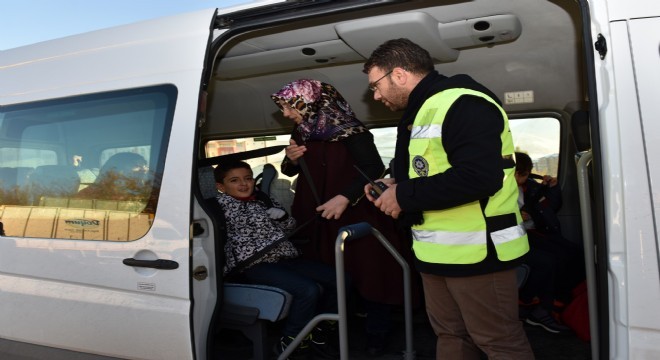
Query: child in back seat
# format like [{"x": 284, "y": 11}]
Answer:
[{"x": 258, "y": 251}]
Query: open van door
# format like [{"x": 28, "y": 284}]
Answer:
[
  {"x": 625, "y": 130},
  {"x": 107, "y": 273},
  {"x": 633, "y": 53}
]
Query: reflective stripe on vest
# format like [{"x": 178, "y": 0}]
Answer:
[{"x": 458, "y": 235}]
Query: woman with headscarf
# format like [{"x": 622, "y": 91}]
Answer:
[{"x": 331, "y": 141}]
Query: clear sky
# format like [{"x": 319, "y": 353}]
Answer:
[{"x": 29, "y": 21}]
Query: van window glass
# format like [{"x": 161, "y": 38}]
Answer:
[
  {"x": 86, "y": 167},
  {"x": 143, "y": 151},
  {"x": 283, "y": 187},
  {"x": 17, "y": 157},
  {"x": 223, "y": 147},
  {"x": 385, "y": 140},
  {"x": 539, "y": 138}
]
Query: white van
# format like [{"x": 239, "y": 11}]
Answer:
[{"x": 130, "y": 270}]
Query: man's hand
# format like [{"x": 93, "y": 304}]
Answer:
[
  {"x": 549, "y": 180},
  {"x": 294, "y": 152},
  {"x": 387, "y": 202},
  {"x": 333, "y": 208},
  {"x": 368, "y": 187}
]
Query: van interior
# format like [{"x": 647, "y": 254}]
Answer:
[{"x": 530, "y": 53}]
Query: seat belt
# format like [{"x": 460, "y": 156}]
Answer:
[
  {"x": 305, "y": 170},
  {"x": 308, "y": 176}
]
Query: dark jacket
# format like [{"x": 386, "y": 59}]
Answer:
[
  {"x": 471, "y": 137},
  {"x": 373, "y": 272},
  {"x": 542, "y": 203}
]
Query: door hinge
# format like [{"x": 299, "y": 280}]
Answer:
[{"x": 601, "y": 46}]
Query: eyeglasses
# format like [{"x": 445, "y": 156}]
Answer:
[{"x": 373, "y": 86}]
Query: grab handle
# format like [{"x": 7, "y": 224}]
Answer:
[{"x": 355, "y": 231}]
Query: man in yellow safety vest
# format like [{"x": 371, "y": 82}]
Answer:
[{"x": 453, "y": 184}]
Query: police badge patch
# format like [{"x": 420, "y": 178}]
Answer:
[{"x": 421, "y": 166}]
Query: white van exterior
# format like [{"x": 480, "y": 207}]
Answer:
[
  {"x": 70, "y": 286},
  {"x": 77, "y": 294}
]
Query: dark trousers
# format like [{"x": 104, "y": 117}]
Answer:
[
  {"x": 568, "y": 260},
  {"x": 541, "y": 280},
  {"x": 312, "y": 284}
]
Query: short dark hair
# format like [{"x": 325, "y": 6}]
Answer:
[
  {"x": 401, "y": 53},
  {"x": 223, "y": 168},
  {"x": 523, "y": 162}
]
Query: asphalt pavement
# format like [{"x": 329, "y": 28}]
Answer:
[{"x": 546, "y": 345}]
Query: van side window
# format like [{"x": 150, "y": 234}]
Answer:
[
  {"x": 86, "y": 167},
  {"x": 385, "y": 140},
  {"x": 283, "y": 187},
  {"x": 539, "y": 138}
]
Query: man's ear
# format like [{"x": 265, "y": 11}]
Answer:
[{"x": 400, "y": 76}]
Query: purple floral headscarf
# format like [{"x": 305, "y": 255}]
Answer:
[{"x": 326, "y": 115}]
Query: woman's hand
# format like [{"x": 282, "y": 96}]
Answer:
[
  {"x": 294, "y": 152},
  {"x": 333, "y": 208}
]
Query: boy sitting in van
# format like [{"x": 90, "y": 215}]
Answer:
[{"x": 258, "y": 252}]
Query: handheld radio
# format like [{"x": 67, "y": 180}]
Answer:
[{"x": 377, "y": 187}]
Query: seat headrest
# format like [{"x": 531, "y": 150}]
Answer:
[
  {"x": 54, "y": 181},
  {"x": 207, "y": 182},
  {"x": 580, "y": 128}
]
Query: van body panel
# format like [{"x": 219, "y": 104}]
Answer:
[
  {"x": 644, "y": 271},
  {"x": 622, "y": 9},
  {"x": 627, "y": 88},
  {"x": 78, "y": 294},
  {"x": 614, "y": 183},
  {"x": 82, "y": 63}
]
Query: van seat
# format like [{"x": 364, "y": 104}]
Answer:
[
  {"x": 245, "y": 307},
  {"x": 7, "y": 178},
  {"x": 282, "y": 191},
  {"x": 279, "y": 188},
  {"x": 11, "y": 177},
  {"x": 207, "y": 183},
  {"x": 261, "y": 297},
  {"x": 53, "y": 180}
]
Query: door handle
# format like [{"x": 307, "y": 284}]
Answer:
[{"x": 154, "y": 264}]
